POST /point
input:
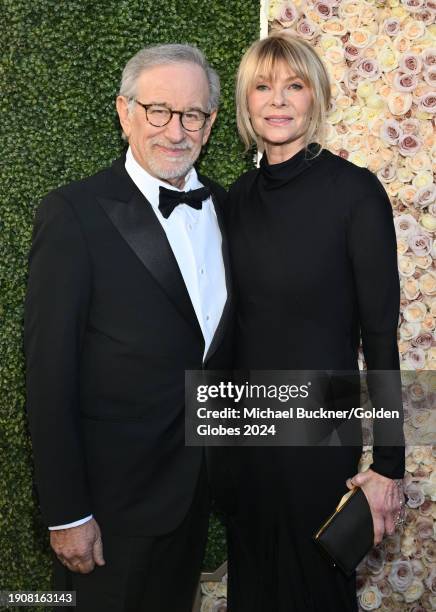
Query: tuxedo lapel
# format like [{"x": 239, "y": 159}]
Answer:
[{"x": 137, "y": 223}]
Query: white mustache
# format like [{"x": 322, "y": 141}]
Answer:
[{"x": 182, "y": 146}]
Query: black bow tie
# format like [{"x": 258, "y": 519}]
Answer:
[{"x": 170, "y": 198}]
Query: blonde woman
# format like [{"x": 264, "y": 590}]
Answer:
[{"x": 314, "y": 261}]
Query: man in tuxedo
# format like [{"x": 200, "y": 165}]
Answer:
[{"x": 128, "y": 288}]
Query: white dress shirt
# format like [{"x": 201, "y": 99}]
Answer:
[{"x": 195, "y": 239}]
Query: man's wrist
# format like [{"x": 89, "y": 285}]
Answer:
[{"x": 73, "y": 524}]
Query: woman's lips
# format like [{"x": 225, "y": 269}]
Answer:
[{"x": 278, "y": 120}]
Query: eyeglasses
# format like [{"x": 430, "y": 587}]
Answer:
[{"x": 158, "y": 116}]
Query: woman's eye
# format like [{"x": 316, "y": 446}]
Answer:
[
  {"x": 261, "y": 87},
  {"x": 296, "y": 86}
]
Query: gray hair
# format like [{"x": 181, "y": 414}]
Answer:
[{"x": 156, "y": 55}]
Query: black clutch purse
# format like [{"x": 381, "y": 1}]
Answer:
[{"x": 348, "y": 534}]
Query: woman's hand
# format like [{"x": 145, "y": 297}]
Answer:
[{"x": 386, "y": 501}]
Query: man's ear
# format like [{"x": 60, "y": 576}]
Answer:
[
  {"x": 208, "y": 126},
  {"x": 123, "y": 114}
]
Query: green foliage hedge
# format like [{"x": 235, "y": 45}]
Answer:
[{"x": 60, "y": 68}]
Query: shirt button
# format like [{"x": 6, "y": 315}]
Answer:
[
  {"x": 189, "y": 226},
  {"x": 207, "y": 317},
  {"x": 201, "y": 270}
]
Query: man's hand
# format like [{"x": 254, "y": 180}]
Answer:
[
  {"x": 385, "y": 500},
  {"x": 79, "y": 548}
]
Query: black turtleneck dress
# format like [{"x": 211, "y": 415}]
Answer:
[{"x": 315, "y": 268}]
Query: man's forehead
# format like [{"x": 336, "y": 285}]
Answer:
[{"x": 185, "y": 80}]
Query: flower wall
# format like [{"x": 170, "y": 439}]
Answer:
[{"x": 381, "y": 58}]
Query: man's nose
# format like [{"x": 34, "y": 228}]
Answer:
[{"x": 174, "y": 129}]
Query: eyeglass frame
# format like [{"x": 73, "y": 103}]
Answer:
[{"x": 172, "y": 112}]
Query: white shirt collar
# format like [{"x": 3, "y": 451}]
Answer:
[{"x": 149, "y": 185}]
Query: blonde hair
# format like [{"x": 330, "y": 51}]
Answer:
[{"x": 262, "y": 58}]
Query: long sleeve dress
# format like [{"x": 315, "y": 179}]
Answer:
[{"x": 314, "y": 260}]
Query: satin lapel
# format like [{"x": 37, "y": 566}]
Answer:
[
  {"x": 137, "y": 223},
  {"x": 222, "y": 325}
]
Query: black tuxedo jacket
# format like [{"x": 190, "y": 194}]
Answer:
[{"x": 109, "y": 332}]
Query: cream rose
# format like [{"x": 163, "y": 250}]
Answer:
[
  {"x": 428, "y": 222},
  {"x": 419, "y": 162},
  {"x": 360, "y": 38},
  {"x": 370, "y": 598},
  {"x": 387, "y": 59},
  {"x": 399, "y": 103},
  {"x": 406, "y": 266},
  {"x": 411, "y": 288},
  {"x": 415, "y": 312},
  {"x": 408, "y": 331},
  {"x": 334, "y": 26},
  {"x": 427, "y": 283},
  {"x": 414, "y": 29},
  {"x": 414, "y": 592}
]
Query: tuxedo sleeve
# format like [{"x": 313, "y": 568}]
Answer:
[
  {"x": 56, "y": 308},
  {"x": 373, "y": 251}
]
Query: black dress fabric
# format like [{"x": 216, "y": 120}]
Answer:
[{"x": 314, "y": 261}]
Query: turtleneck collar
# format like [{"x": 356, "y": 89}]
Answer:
[{"x": 277, "y": 175}]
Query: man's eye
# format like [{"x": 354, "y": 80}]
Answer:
[
  {"x": 158, "y": 112},
  {"x": 192, "y": 116}
]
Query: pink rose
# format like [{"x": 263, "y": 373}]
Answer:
[
  {"x": 430, "y": 76},
  {"x": 405, "y": 81},
  {"x": 305, "y": 29},
  {"x": 324, "y": 10},
  {"x": 405, "y": 225},
  {"x": 424, "y": 15},
  {"x": 429, "y": 57},
  {"x": 409, "y": 144},
  {"x": 391, "y": 131},
  {"x": 430, "y": 581},
  {"x": 427, "y": 102},
  {"x": 387, "y": 173},
  {"x": 391, "y": 26},
  {"x": 421, "y": 244},
  {"x": 424, "y": 527},
  {"x": 423, "y": 341},
  {"x": 368, "y": 69},
  {"x": 351, "y": 52},
  {"x": 414, "y": 5},
  {"x": 375, "y": 560},
  {"x": 401, "y": 575},
  {"x": 286, "y": 14},
  {"x": 415, "y": 495},
  {"x": 425, "y": 196},
  {"x": 415, "y": 359},
  {"x": 411, "y": 62},
  {"x": 410, "y": 126}
]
